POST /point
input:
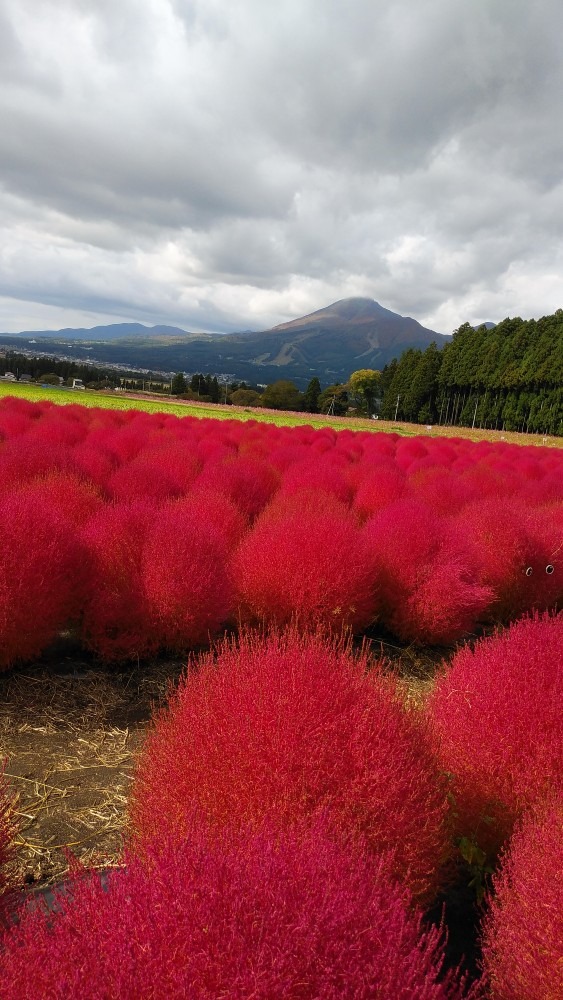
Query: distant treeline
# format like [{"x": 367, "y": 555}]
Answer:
[
  {"x": 22, "y": 364},
  {"x": 509, "y": 377}
]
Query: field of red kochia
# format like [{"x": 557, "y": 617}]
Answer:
[
  {"x": 308, "y": 814},
  {"x": 146, "y": 532}
]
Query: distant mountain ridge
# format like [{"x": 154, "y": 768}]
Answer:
[
  {"x": 329, "y": 343},
  {"x": 114, "y": 331}
]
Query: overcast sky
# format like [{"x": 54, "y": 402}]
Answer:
[{"x": 232, "y": 164}]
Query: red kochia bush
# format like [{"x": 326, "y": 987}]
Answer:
[
  {"x": 430, "y": 591},
  {"x": 247, "y": 481},
  {"x": 513, "y": 546},
  {"x": 280, "y": 727},
  {"x": 290, "y": 917},
  {"x": 523, "y": 935},
  {"x": 185, "y": 576},
  {"x": 157, "y": 473},
  {"x": 24, "y": 459},
  {"x": 217, "y": 510},
  {"x": 42, "y": 566},
  {"x": 306, "y": 560},
  {"x": 378, "y": 488},
  {"x": 498, "y": 724},
  {"x": 71, "y": 495},
  {"x": 116, "y": 621}
]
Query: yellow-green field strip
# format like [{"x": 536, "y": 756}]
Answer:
[{"x": 160, "y": 404}]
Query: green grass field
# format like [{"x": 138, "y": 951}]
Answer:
[
  {"x": 181, "y": 408},
  {"x": 159, "y": 404}
]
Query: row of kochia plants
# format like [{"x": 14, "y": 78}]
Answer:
[
  {"x": 145, "y": 533},
  {"x": 291, "y": 821}
]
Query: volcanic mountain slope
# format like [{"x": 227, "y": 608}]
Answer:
[
  {"x": 330, "y": 343},
  {"x": 347, "y": 335}
]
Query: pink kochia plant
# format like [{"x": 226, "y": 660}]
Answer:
[
  {"x": 497, "y": 719},
  {"x": 277, "y": 728},
  {"x": 184, "y": 576},
  {"x": 116, "y": 620},
  {"x": 42, "y": 566},
  {"x": 514, "y": 547},
  {"x": 430, "y": 591},
  {"x": 306, "y": 560},
  {"x": 523, "y": 936},
  {"x": 273, "y": 917}
]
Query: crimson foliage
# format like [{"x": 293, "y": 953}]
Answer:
[
  {"x": 430, "y": 590},
  {"x": 496, "y": 715},
  {"x": 290, "y": 917},
  {"x": 42, "y": 563},
  {"x": 456, "y": 534},
  {"x": 278, "y": 728},
  {"x": 307, "y": 561},
  {"x": 116, "y": 620},
  {"x": 514, "y": 545},
  {"x": 378, "y": 488},
  {"x": 523, "y": 935},
  {"x": 247, "y": 481},
  {"x": 156, "y": 474},
  {"x": 187, "y": 588}
]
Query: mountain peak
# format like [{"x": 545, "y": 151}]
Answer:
[{"x": 353, "y": 310}]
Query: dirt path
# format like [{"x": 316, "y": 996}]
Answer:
[{"x": 69, "y": 733}]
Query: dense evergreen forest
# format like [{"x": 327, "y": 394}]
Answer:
[{"x": 509, "y": 377}]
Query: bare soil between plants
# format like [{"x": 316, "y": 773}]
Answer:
[{"x": 71, "y": 729}]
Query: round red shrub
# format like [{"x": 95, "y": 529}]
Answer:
[
  {"x": 444, "y": 491},
  {"x": 93, "y": 462},
  {"x": 497, "y": 719},
  {"x": 306, "y": 559},
  {"x": 42, "y": 568},
  {"x": 220, "y": 512},
  {"x": 185, "y": 576},
  {"x": 281, "y": 727},
  {"x": 247, "y": 481},
  {"x": 15, "y": 418},
  {"x": 23, "y": 459},
  {"x": 379, "y": 488},
  {"x": 71, "y": 495},
  {"x": 523, "y": 932},
  {"x": 155, "y": 474},
  {"x": 513, "y": 546},
  {"x": 60, "y": 428},
  {"x": 324, "y": 474},
  {"x": 289, "y": 917},
  {"x": 410, "y": 451},
  {"x": 116, "y": 621},
  {"x": 430, "y": 591}
]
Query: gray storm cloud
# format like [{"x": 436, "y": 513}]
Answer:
[{"x": 225, "y": 166}]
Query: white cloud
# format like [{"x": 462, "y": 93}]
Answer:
[{"x": 223, "y": 166}]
